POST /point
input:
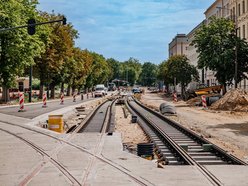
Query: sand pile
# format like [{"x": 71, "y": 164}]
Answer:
[{"x": 235, "y": 100}]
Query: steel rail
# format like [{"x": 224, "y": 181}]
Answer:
[
  {"x": 229, "y": 158},
  {"x": 60, "y": 166},
  {"x": 187, "y": 158},
  {"x": 137, "y": 179}
]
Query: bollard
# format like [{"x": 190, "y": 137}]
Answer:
[
  {"x": 21, "y": 102},
  {"x": 175, "y": 97},
  {"x": 204, "y": 102},
  {"x": 44, "y": 100},
  {"x": 87, "y": 96},
  {"x": 62, "y": 98},
  {"x": 82, "y": 96}
]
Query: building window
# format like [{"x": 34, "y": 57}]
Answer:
[
  {"x": 239, "y": 32},
  {"x": 243, "y": 7},
  {"x": 243, "y": 31}
]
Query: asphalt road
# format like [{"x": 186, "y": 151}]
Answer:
[{"x": 34, "y": 110}]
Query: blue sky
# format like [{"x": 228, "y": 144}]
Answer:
[{"x": 129, "y": 28}]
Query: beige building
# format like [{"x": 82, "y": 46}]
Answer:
[
  {"x": 237, "y": 10},
  {"x": 191, "y": 52},
  {"x": 178, "y": 45}
]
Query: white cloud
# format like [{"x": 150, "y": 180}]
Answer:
[{"x": 130, "y": 28}]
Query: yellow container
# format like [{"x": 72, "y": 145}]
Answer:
[{"x": 55, "y": 123}]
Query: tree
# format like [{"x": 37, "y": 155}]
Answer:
[
  {"x": 17, "y": 48},
  {"x": 130, "y": 70},
  {"x": 99, "y": 71},
  {"x": 216, "y": 43},
  {"x": 52, "y": 66},
  {"x": 115, "y": 68},
  {"x": 149, "y": 74},
  {"x": 163, "y": 74},
  {"x": 178, "y": 67}
]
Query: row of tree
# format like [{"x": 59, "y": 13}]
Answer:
[
  {"x": 56, "y": 61},
  {"x": 52, "y": 54}
]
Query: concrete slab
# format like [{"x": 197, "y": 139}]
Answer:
[
  {"x": 145, "y": 169},
  {"x": 49, "y": 175},
  {"x": 16, "y": 159},
  {"x": 231, "y": 175}
]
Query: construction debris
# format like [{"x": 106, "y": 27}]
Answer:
[{"x": 233, "y": 100}]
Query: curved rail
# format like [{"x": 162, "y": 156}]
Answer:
[
  {"x": 67, "y": 141},
  {"x": 170, "y": 137}
]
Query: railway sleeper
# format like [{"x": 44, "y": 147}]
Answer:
[
  {"x": 211, "y": 162},
  {"x": 200, "y": 153},
  {"x": 206, "y": 158}
]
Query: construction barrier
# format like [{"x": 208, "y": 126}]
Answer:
[
  {"x": 175, "y": 97},
  {"x": 55, "y": 123},
  {"x": 204, "y": 102},
  {"x": 44, "y": 98},
  {"x": 21, "y": 102},
  {"x": 62, "y": 98}
]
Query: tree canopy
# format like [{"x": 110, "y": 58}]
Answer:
[{"x": 216, "y": 43}]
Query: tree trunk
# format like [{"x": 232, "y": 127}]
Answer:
[
  {"x": 73, "y": 89},
  {"x": 183, "y": 91},
  {"x": 5, "y": 95},
  {"x": 62, "y": 87},
  {"x": 48, "y": 88},
  {"x": 52, "y": 86},
  {"x": 41, "y": 90},
  {"x": 68, "y": 90}
]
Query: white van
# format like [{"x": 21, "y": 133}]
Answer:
[{"x": 100, "y": 90}]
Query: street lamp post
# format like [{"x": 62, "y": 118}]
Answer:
[{"x": 236, "y": 43}]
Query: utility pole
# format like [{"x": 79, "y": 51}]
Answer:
[{"x": 236, "y": 47}]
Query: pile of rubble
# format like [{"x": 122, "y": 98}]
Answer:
[{"x": 234, "y": 100}]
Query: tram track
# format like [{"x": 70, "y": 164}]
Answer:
[
  {"x": 177, "y": 145},
  {"x": 66, "y": 141}
]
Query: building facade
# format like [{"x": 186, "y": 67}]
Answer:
[
  {"x": 178, "y": 45},
  {"x": 236, "y": 10}
]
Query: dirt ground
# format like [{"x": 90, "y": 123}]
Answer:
[
  {"x": 227, "y": 129},
  {"x": 131, "y": 133}
]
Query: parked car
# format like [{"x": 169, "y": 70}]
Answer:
[
  {"x": 136, "y": 90},
  {"x": 111, "y": 87}
]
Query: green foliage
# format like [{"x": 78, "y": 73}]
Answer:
[
  {"x": 149, "y": 74},
  {"x": 216, "y": 43},
  {"x": 17, "y": 48},
  {"x": 99, "y": 71},
  {"x": 114, "y": 68},
  {"x": 130, "y": 70},
  {"x": 177, "y": 67}
]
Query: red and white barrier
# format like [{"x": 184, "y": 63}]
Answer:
[
  {"x": 21, "y": 102},
  {"x": 175, "y": 97},
  {"x": 62, "y": 98},
  {"x": 204, "y": 102},
  {"x": 44, "y": 99}
]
